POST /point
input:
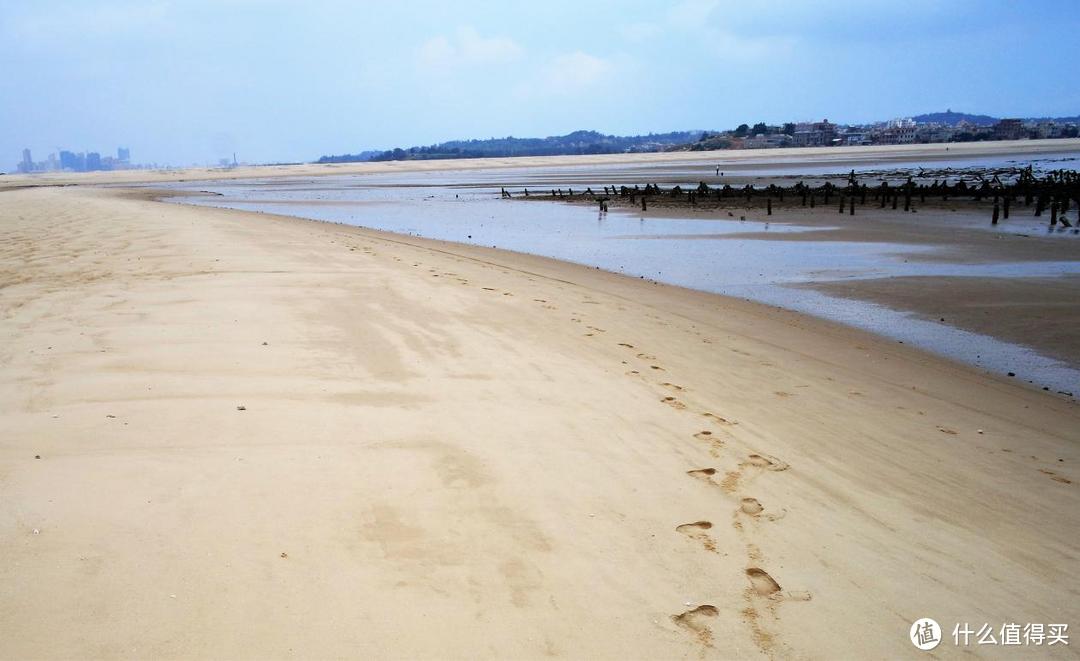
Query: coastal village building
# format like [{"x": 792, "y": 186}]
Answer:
[
  {"x": 771, "y": 141},
  {"x": 814, "y": 134},
  {"x": 1009, "y": 129}
]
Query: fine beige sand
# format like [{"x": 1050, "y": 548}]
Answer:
[{"x": 225, "y": 434}]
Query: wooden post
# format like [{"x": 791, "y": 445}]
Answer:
[
  {"x": 643, "y": 207},
  {"x": 841, "y": 204},
  {"x": 851, "y": 205},
  {"x": 1005, "y": 207},
  {"x": 768, "y": 207},
  {"x": 994, "y": 218}
]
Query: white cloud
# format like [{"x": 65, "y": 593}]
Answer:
[
  {"x": 691, "y": 13},
  {"x": 575, "y": 71},
  {"x": 466, "y": 48},
  {"x": 567, "y": 74},
  {"x": 726, "y": 37}
]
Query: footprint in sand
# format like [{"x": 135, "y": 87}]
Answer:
[
  {"x": 730, "y": 483},
  {"x": 766, "y": 462},
  {"x": 624, "y": 344},
  {"x": 696, "y": 621},
  {"x": 672, "y": 386},
  {"x": 716, "y": 418},
  {"x": 645, "y": 356},
  {"x": 673, "y": 403},
  {"x": 715, "y": 444},
  {"x": 702, "y": 473},
  {"x": 750, "y": 506},
  {"x": 761, "y": 582},
  {"x": 1055, "y": 477},
  {"x": 696, "y": 530}
]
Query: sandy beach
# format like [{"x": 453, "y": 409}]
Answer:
[{"x": 228, "y": 434}]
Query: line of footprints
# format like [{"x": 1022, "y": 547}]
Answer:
[{"x": 762, "y": 588}]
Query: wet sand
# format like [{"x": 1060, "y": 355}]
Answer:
[
  {"x": 1043, "y": 313},
  {"x": 959, "y": 233},
  {"x": 231, "y": 434}
]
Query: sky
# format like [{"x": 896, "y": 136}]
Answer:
[{"x": 189, "y": 82}]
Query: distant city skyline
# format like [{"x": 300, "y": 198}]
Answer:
[
  {"x": 65, "y": 159},
  {"x": 194, "y": 82}
]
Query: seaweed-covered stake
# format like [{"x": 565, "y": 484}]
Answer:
[
  {"x": 811, "y": 201},
  {"x": 851, "y": 204},
  {"x": 894, "y": 201},
  {"x": 643, "y": 207},
  {"x": 841, "y": 204},
  {"x": 1053, "y": 213},
  {"x": 994, "y": 218},
  {"x": 1005, "y": 207},
  {"x": 768, "y": 207}
]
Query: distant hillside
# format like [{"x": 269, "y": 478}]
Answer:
[
  {"x": 951, "y": 118},
  {"x": 578, "y": 142}
]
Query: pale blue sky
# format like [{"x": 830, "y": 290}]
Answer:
[{"x": 189, "y": 82}]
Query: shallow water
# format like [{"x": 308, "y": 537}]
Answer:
[{"x": 463, "y": 206}]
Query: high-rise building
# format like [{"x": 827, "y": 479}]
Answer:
[
  {"x": 93, "y": 161},
  {"x": 27, "y": 164},
  {"x": 72, "y": 161},
  {"x": 123, "y": 154}
]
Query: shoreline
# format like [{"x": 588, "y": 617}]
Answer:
[
  {"x": 791, "y": 157},
  {"x": 301, "y": 438},
  {"x": 1035, "y": 360}
]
